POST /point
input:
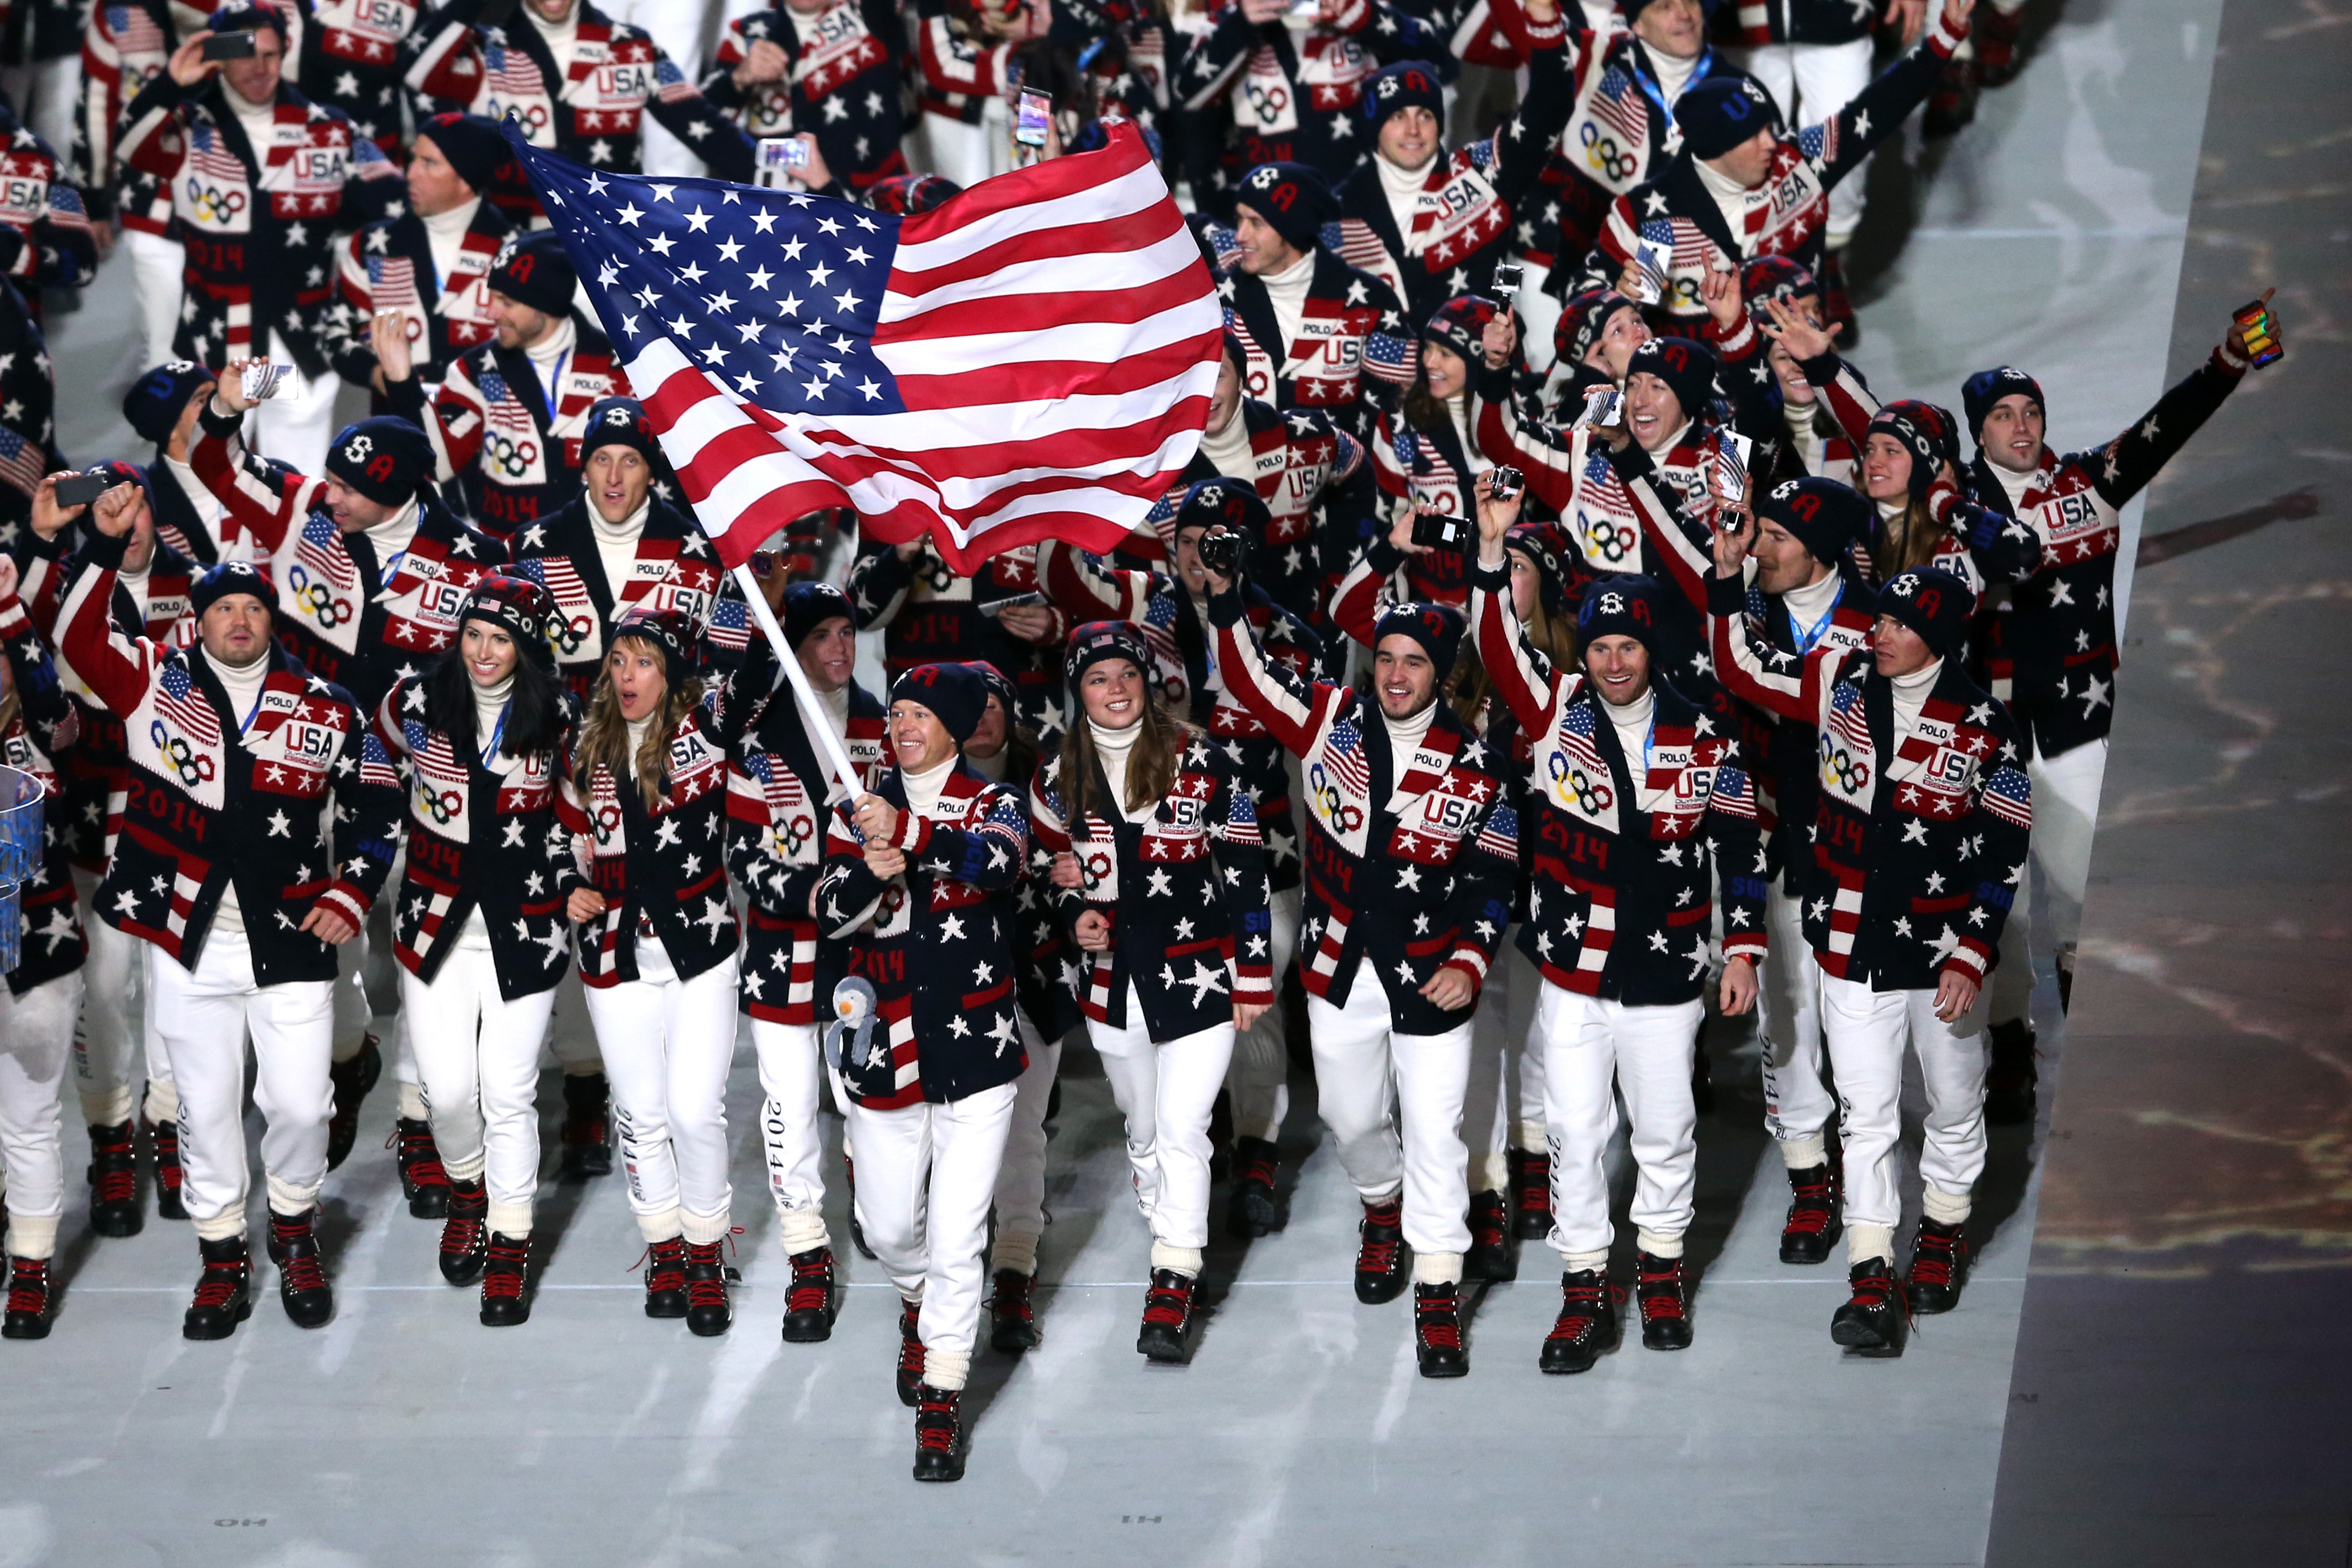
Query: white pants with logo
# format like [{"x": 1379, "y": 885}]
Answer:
[
  {"x": 1358, "y": 1056},
  {"x": 1868, "y": 1031},
  {"x": 668, "y": 1044},
  {"x": 925, "y": 1175},
  {"x": 2066, "y": 815},
  {"x": 35, "y": 1038},
  {"x": 1021, "y": 1178},
  {"x": 478, "y": 1054},
  {"x": 1812, "y": 82},
  {"x": 1593, "y": 1049},
  {"x": 204, "y": 1017},
  {"x": 1259, "y": 1079},
  {"x": 1166, "y": 1091},
  {"x": 1504, "y": 1108},
  {"x": 1797, "y": 1104},
  {"x": 115, "y": 1043},
  {"x": 792, "y": 1078}
]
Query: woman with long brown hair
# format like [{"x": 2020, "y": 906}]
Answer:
[
  {"x": 1160, "y": 869},
  {"x": 646, "y": 789}
]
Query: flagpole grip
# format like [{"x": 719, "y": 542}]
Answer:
[{"x": 814, "y": 717}]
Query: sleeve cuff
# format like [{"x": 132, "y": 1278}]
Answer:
[
  {"x": 1470, "y": 961},
  {"x": 346, "y": 901},
  {"x": 1747, "y": 944},
  {"x": 914, "y": 832},
  {"x": 1967, "y": 960}
]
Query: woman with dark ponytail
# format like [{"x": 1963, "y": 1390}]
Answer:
[{"x": 480, "y": 926}]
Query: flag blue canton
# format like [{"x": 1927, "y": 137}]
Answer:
[
  {"x": 176, "y": 680},
  {"x": 773, "y": 294},
  {"x": 1385, "y": 348}
]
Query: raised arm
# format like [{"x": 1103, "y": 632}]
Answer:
[
  {"x": 2134, "y": 457},
  {"x": 1750, "y": 668},
  {"x": 265, "y": 503},
  {"x": 1526, "y": 687},
  {"x": 1837, "y": 146},
  {"x": 119, "y": 669},
  {"x": 1290, "y": 705}
]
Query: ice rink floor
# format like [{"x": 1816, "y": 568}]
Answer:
[{"x": 2050, "y": 234}]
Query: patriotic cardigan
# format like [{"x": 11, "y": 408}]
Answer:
[
  {"x": 480, "y": 837},
  {"x": 491, "y": 429},
  {"x": 46, "y": 726},
  {"x": 1354, "y": 354},
  {"x": 1462, "y": 222},
  {"x": 203, "y": 807},
  {"x": 1618, "y": 905},
  {"x": 931, "y": 615},
  {"x": 389, "y": 267},
  {"x": 779, "y": 797},
  {"x": 88, "y": 812},
  {"x": 1786, "y": 215},
  {"x": 1919, "y": 839},
  {"x": 662, "y": 866},
  {"x": 936, "y": 942},
  {"x": 1185, "y": 891},
  {"x": 1185, "y": 656},
  {"x": 842, "y": 88},
  {"x": 353, "y": 54},
  {"x": 258, "y": 223},
  {"x": 125, "y": 45},
  {"x": 1296, "y": 97},
  {"x": 45, "y": 234},
  {"x": 338, "y": 610},
  {"x": 675, "y": 570},
  {"x": 956, "y": 72},
  {"x": 591, "y": 107},
  {"x": 1296, "y": 460},
  {"x": 1409, "y": 879},
  {"x": 2051, "y": 657}
]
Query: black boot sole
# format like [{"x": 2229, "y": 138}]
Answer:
[
  {"x": 808, "y": 1328},
  {"x": 1162, "y": 1345},
  {"x": 1865, "y": 1340},
  {"x": 938, "y": 1467},
  {"x": 505, "y": 1317},
  {"x": 1532, "y": 1225},
  {"x": 24, "y": 1326},
  {"x": 468, "y": 1272},
  {"x": 1679, "y": 1340},
  {"x": 908, "y": 1396},
  {"x": 168, "y": 1205},
  {"x": 1379, "y": 1292},
  {"x": 296, "y": 1315},
  {"x": 662, "y": 1306},
  {"x": 117, "y": 1222},
  {"x": 213, "y": 1329},
  {"x": 429, "y": 1203},
  {"x": 1450, "y": 1363},
  {"x": 1572, "y": 1362},
  {"x": 708, "y": 1327},
  {"x": 1250, "y": 1212},
  {"x": 1013, "y": 1339},
  {"x": 1498, "y": 1267},
  {"x": 1931, "y": 1303}
]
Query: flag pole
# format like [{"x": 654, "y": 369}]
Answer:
[{"x": 813, "y": 717}]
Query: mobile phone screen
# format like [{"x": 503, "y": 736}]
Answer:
[{"x": 1037, "y": 110}]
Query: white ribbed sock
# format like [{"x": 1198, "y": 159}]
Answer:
[
  {"x": 1491, "y": 1172},
  {"x": 510, "y": 1219},
  {"x": 1581, "y": 1262},
  {"x": 802, "y": 1230},
  {"x": 289, "y": 1200},
  {"x": 660, "y": 1227},
  {"x": 1865, "y": 1242},
  {"x": 411, "y": 1103},
  {"x": 1943, "y": 1207},
  {"x": 1437, "y": 1268},
  {"x": 1531, "y": 1139},
  {"x": 1014, "y": 1249},
  {"x": 702, "y": 1229},
  {"x": 1804, "y": 1154},
  {"x": 162, "y": 1100},
  {"x": 107, "y": 1107},
  {"x": 1184, "y": 1260},
  {"x": 226, "y": 1226},
  {"x": 1657, "y": 1243},
  {"x": 946, "y": 1369},
  {"x": 32, "y": 1236}
]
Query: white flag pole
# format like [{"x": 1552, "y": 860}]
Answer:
[{"x": 814, "y": 717}]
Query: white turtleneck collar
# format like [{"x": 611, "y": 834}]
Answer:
[
  {"x": 242, "y": 684},
  {"x": 1402, "y": 187},
  {"x": 1672, "y": 73},
  {"x": 617, "y": 543},
  {"x": 1911, "y": 695},
  {"x": 559, "y": 35},
  {"x": 444, "y": 236},
  {"x": 1286, "y": 291},
  {"x": 1228, "y": 450},
  {"x": 392, "y": 536},
  {"x": 1116, "y": 748},
  {"x": 1809, "y": 603},
  {"x": 1670, "y": 442},
  {"x": 923, "y": 788},
  {"x": 2014, "y": 485},
  {"x": 835, "y": 704},
  {"x": 1405, "y": 736},
  {"x": 256, "y": 120},
  {"x": 1731, "y": 199},
  {"x": 490, "y": 704},
  {"x": 1631, "y": 723}
]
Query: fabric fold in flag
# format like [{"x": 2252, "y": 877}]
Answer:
[{"x": 1032, "y": 360}]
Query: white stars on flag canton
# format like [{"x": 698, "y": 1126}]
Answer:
[
  {"x": 2009, "y": 796},
  {"x": 183, "y": 708},
  {"x": 1033, "y": 360}
]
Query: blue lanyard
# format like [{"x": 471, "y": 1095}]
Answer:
[
  {"x": 245, "y": 724},
  {"x": 498, "y": 731},
  {"x": 1648, "y": 83},
  {"x": 555, "y": 381},
  {"x": 1807, "y": 636}
]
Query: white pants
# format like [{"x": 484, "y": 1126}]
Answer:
[
  {"x": 925, "y": 1174},
  {"x": 36, "y": 1035},
  {"x": 792, "y": 1078},
  {"x": 668, "y": 1044},
  {"x": 204, "y": 1018},
  {"x": 2066, "y": 815},
  {"x": 1811, "y": 82},
  {"x": 52, "y": 88},
  {"x": 571, "y": 1034},
  {"x": 115, "y": 1030},
  {"x": 1259, "y": 1079},
  {"x": 295, "y": 426},
  {"x": 158, "y": 274},
  {"x": 1358, "y": 1055},
  {"x": 1502, "y": 1067},
  {"x": 1867, "y": 1030},
  {"x": 1021, "y": 1177},
  {"x": 1541, "y": 313},
  {"x": 1797, "y": 1104},
  {"x": 1593, "y": 1049},
  {"x": 478, "y": 1056},
  {"x": 1166, "y": 1091}
]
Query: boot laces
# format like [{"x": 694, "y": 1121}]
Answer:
[
  {"x": 1661, "y": 1291},
  {"x": 911, "y": 1344},
  {"x": 298, "y": 1264},
  {"x": 1437, "y": 1320},
  {"x": 935, "y": 1420},
  {"x": 1011, "y": 1297},
  {"x": 1260, "y": 1168},
  {"x": 28, "y": 1285},
  {"x": 461, "y": 1234},
  {"x": 1378, "y": 1253},
  {"x": 706, "y": 1279},
  {"x": 1581, "y": 1306},
  {"x": 222, "y": 1280},
  {"x": 812, "y": 1288},
  {"x": 1934, "y": 1258},
  {"x": 1487, "y": 1223},
  {"x": 503, "y": 1274},
  {"x": 1169, "y": 1304},
  {"x": 664, "y": 1265},
  {"x": 420, "y": 1157}
]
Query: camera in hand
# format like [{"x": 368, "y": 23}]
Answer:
[
  {"x": 1221, "y": 551},
  {"x": 1507, "y": 481},
  {"x": 236, "y": 46},
  {"x": 80, "y": 489},
  {"x": 1439, "y": 530},
  {"x": 1508, "y": 275}
]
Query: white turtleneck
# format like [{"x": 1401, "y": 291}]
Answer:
[
  {"x": 243, "y": 685},
  {"x": 923, "y": 789},
  {"x": 444, "y": 236},
  {"x": 549, "y": 357},
  {"x": 136, "y": 584},
  {"x": 616, "y": 546},
  {"x": 637, "y": 728},
  {"x": 1286, "y": 291},
  {"x": 1731, "y": 199},
  {"x": 1807, "y": 606},
  {"x": 1402, "y": 187},
  {"x": 1228, "y": 450},
  {"x": 992, "y": 768},
  {"x": 1803, "y": 434},
  {"x": 392, "y": 538},
  {"x": 1457, "y": 408},
  {"x": 1115, "y": 747},
  {"x": 1631, "y": 723},
  {"x": 489, "y": 707},
  {"x": 1673, "y": 73},
  {"x": 257, "y": 120},
  {"x": 2014, "y": 485},
  {"x": 559, "y": 35},
  {"x": 1405, "y": 736},
  {"x": 1911, "y": 695},
  {"x": 835, "y": 704}
]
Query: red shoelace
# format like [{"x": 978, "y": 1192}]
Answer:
[
  {"x": 504, "y": 1274},
  {"x": 220, "y": 1283},
  {"x": 1438, "y": 1321},
  {"x": 812, "y": 1288},
  {"x": 1165, "y": 1304},
  {"x": 29, "y": 1286}
]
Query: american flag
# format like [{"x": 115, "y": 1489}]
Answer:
[
  {"x": 1622, "y": 107},
  {"x": 135, "y": 32},
  {"x": 2009, "y": 796},
  {"x": 22, "y": 462},
  {"x": 1346, "y": 747},
  {"x": 1031, "y": 361},
  {"x": 184, "y": 708}
]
